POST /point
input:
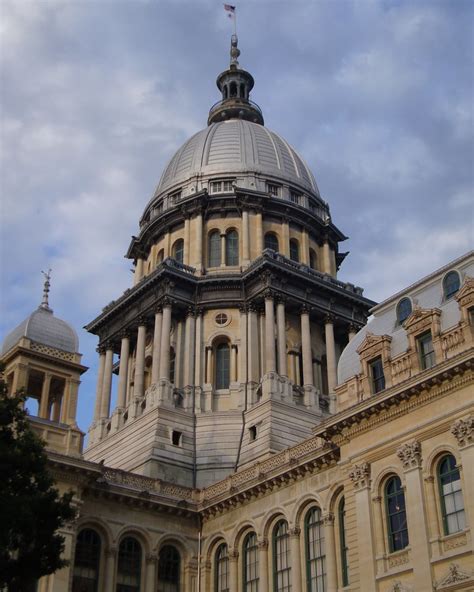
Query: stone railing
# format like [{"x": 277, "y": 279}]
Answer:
[
  {"x": 52, "y": 351},
  {"x": 401, "y": 368},
  {"x": 452, "y": 342},
  {"x": 148, "y": 484}
]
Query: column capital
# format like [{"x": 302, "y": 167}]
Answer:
[
  {"x": 124, "y": 334},
  {"x": 199, "y": 311},
  {"x": 158, "y": 309},
  {"x": 377, "y": 499},
  {"x": 410, "y": 455},
  {"x": 108, "y": 345},
  {"x": 305, "y": 309},
  {"x": 166, "y": 302},
  {"x": 360, "y": 475},
  {"x": 463, "y": 431},
  {"x": 328, "y": 519},
  {"x": 143, "y": 321},
  {"x": 100, "y": 349},
  {"x": 262, "y": 544},
  {"x": 281, "y": 299},
  {"x": 252, "y": 307},
  {"x": 190, "y": 312},
  {"x": 111, "y": 551},
  {"x": 329, "y": 318},
  {"x": 233, "y": 554},
  {"x": 294, "y": 532},
  {"x": 269, "y": 294},
  {"x": 151, "y": 558}
]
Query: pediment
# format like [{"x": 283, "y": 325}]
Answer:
[
  {"x": 466, "y": 292},
  {"x": 455, "y": 577},
  {"x": 421, "y": 316},
  {"x": 373, "y": 341}
]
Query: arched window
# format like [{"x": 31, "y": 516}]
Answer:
[
  {"x": 221, "y": 575},
  {"x": 169, "y": 568},
  {"x": 396, "y": 515},
  {"x": 294, "y": 250},
  {"x": 160, "y": 256},
  {"x": 271, "y": 241},
  {"x": 214, "y": 249},
  {"x": 315, "y": 551},
  {"x": 451, "y": 284},
  {"x": 404, "y": 309},
  {"x": 452, "y": 503},
  {"x": 281, "y": 557},
  {"x": 129, "y": 565},
  {"x": 222, "y": 366},
  {"x": 242, "y": 91},
  {"x": 86, "y": 562},
  {"x": 341, "y": 513},
  {"x": 313, "y": 259},
  {"x": 250, "y": 563},
  {"x": 178, "y": 250},
  {"x": 232, "y": 248}
]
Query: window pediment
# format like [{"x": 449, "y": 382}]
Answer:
[
  {"x": 374, "y": 345},
  {"x": 465, "y": 296},
  {"x": 423, "y": 319}
]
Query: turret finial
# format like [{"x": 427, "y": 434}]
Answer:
[
  {"x": 45, "y": 302},
  {"x": 234, "y": 51}
]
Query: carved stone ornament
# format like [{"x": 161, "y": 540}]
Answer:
[
  {"x": 360, "y": 475},
  {"x": 455, "y": 575},
  {"x": 328, "y": 519},
  {"x": 398, "y": 586},
  {"x": 463, "y": 431},
  {"x": 410, "y": 455}
]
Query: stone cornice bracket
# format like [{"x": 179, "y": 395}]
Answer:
[
  {"x": 463, "y": 431},
  {"x": 360, "y": 476},
  {"x": 410, "y": 455},
  {"x": 328, "y": 519}
]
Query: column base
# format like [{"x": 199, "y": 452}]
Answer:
[{"x": 311, "y": 396}]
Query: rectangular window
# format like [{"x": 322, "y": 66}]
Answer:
[
  {"x": 377, "y": 375},
  {"x": 273, "y": 189},
  {"x": 175, "y": 197},
  {"x": 295, "y": 197},
  {"x": 226, "y": 186},
  {"x": 426, "y": 351}
]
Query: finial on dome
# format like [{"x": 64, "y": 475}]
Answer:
[
  {"x": 234, "y": 51},
  {"x": 45, "y": 302}
]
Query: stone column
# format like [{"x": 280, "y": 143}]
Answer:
[
  {"x": 270, "y": 362},
  {"x": 352, "y": 332},
  {"x": 261, "y": 341},
  {"x": 70, "y": 402},
  {"x": 360, "y": 476},
  {"x": 107, "y": 384},
  {"x": 186, "y": 258},
  {"x": 295, "y": 554},
  {"x": 245, "y": 238},
  {"x": 331, "y": 566},
  {"x": 259, "y": 234},
  {"x": 151, "y": 575},
  {"x": 233, "y": 570},
  {"x": 306, "y": 348},
  {"x": 198, "y": 379},
  {"x": 243, "y": 347},
  {"x": 263, "y": 564},
  {"x": 233, "y": 363},
  {"x": 327, "y": 267},
  {"x": 463, "y": 431},
  {"x": 189, "y": 349},
  {"x": 100, "y": 382},
  {"x": 253, "y": 365},
  {"x": 155, "y": 364},
  {"x": 123, "y": 371},
  {"x": 223, "y": 261},
  {"x": 198, "y": 245},
  {"x": 304, "y": 247},
  {"x": 165, "y": 343},
  {"x": 331, "y": 361},
  {"x": 56, "y": 409},
  {"x": 139, "y": 377},
  {"x": 109, "y": 580},
  {"x": 285, "y": 230},
  {"x": 281, "y": 339},
  {"x": 137, "y": 276},
  {"x": 410, "y": 456},
  {"x": 208, "y": 364},
  {"x": 380, "y": 534}
]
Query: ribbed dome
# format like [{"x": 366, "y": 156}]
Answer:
[
  {"x": 236, "y": 146},
  {"x": 43, "y": 327}
]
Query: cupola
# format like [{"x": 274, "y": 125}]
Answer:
[{"x": 235, "y": 85}]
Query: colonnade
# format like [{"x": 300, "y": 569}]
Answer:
[
  {"x": 259, "y": 351},
  {"x": 252, "y": 243}
]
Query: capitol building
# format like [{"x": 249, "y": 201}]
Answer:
[{"x": 260, "y": 435}]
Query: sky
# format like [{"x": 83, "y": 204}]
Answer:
[{"x": 96, "y": 96}]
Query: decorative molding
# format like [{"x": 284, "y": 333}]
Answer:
[
  {"x": 410, "y": 455},
  {"x": 463, "y": 431},
  {"x": 398, "y": 586},
  {"x": 455, "y": 575},
  {"x": 360, "y": 475},
  {"x": 453, "y": 542},
  {"x": 328, "y": 519},
  {"x": 397, "y": 559},
  {"x": 295, "y": 531}
]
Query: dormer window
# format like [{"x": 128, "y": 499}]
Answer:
[
  {"x": 426, "y": 351},
  {"x": 226, "y": 186},
  {"x": 451, "y": 284},
  {"x": 273, "y": 189},
  {"x": 404, "y": 309},
  {"x": 295, "y": 197},
  {"x": 376, "y": 375}
]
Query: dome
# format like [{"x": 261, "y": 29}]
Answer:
[
  {"x": 236, "y": 147},
  {"x": 43, "y": 327}
]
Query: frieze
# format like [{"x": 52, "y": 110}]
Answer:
[
  {"x": 410, "y": 455},
  {"x": 398, "y": 559},
  {"x": 454, "y": 542},
  {"x": 463, "y": 431}
]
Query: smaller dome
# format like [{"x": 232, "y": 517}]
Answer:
[{"x": 43, "y": 327}]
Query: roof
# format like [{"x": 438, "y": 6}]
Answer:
[
  {"x": 236, "y": 146},
  {"x": 43, "y": 327}
]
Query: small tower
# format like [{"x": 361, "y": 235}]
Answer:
[
  {"x": 41, "y": 358},
  {"x": 235, "y": 85}
]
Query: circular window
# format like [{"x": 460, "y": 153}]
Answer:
[
  {"x": 404, "y": 309},
  {"x": 222, "y": 319}
]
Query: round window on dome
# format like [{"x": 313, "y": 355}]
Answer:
[
  {"x": 404, "y": 309},
  {"x": 222, "y": 319}
]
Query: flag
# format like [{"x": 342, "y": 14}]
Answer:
[{"x": 230, "y": 9}]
